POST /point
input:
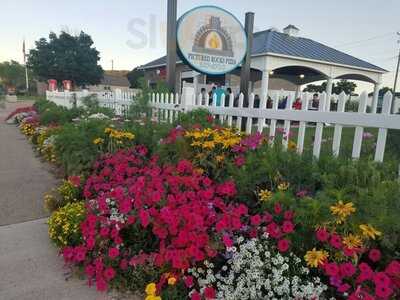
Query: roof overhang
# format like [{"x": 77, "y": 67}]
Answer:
[{"x": 383, "y": 71}]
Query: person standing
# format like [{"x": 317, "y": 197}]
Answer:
[{"x": 315, "y": 102}]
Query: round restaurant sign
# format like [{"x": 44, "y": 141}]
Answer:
[{"x": 211, "y": 40}]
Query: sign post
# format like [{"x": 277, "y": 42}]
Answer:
[
  {"x": 245, "y": 71},
  {"x": 171, "y": 44}
]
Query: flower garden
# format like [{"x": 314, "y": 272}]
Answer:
[{"x": 195, "y": 210}]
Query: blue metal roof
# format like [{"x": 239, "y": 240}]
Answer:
[{"x": 274, "y": 42}]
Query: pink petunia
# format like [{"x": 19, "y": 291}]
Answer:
[
  {"x": 255, "y": 220},
  {"x": 278, "y": 208},
  {"x": 109, "y": 273},
  {"x": 335, "y": 241},
  {"x": 113, "y": 252},
  {"x": 189, "y": 281},
  {"x": 322, "y": 235},
  {"x": 227, "y": 241},
  {"x": 209, "y": 293},
  {"x": 283, "y": 245},
  {"x": 374, "y": 255},
  {"x": 287, "y": 227},
  {"x": 347, "y": 269},
  {"x": 195, "y": 296},
  {"x": 331, "y": 269}
]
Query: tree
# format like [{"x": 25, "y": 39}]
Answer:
[
  {"x": 66, "y": 57},
  {"x": 342, "y": 86},
  {"x": 134, "y": 76},
  {"x": 12, "y": 74},
  {"x": 315, "y": 88}
]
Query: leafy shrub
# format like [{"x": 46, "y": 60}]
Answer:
[
  {"x": 199, "y": 117},
  {"x": 69, "y": 191},
  {"x": 64, "y": 225},
  {"x": 148, "y": 133},
  {"x": 92, "y": 106},
  {"x": 75, "y": 148}
]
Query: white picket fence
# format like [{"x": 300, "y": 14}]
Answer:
[
  {"x": 117, "y": 100},
  {"x": 166, "y": 107}
]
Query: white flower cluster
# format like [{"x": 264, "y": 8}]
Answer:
[
  {"x": 115, "y": 215},
  {"x": 256, "y": 270},
  {"x": 98, "y": 116}
]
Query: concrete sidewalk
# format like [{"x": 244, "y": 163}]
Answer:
[
  {"x": 23, "y": 178},
  {"x": 30, "y": 268}
]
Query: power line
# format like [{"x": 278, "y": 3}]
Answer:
[{"x": 367, "y": 40}]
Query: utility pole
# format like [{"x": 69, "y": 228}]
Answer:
[
  {"x": 26, "y": 67},
  {"x": 396, "y": 77},
  {"x": 245, "y": 70},
  {"x": 112, "y": 65}
]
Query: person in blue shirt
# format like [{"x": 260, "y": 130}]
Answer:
[{"x": 217, "y": 95}]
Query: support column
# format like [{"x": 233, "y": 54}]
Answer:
[
  {"x": 264, "y": 88},
  {"x": 264, "y": 97},
  {"x": 298, "y": 91},
  {"x": 375, "y": 97},
  {"x": 328, "y": 91}
]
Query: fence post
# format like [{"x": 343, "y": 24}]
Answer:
[
  {"x": 320, "y": 128},
  {"x": 187, "y": 99},
  {"x": 382, "y": 134},
  {"x": 358, "y": 136}
]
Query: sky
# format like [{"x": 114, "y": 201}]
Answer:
[{"x": 132, "y": 32}]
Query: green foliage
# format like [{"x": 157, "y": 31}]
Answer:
[
  {"x": 267, "y": 166},
  {"x": 66, "y": 57},
  {"x": 140, "y": 108},
  {"x": 175, "y": 292},
  {"x": 342, "y": 86},
  {"x": 373, "y": 188},
  {"x": 64, "y": 225},
  {"x": 198, "y": 116},
  {"x": 12, "y": 74},
  {"x": 75, "y": 148},
  {"x": 393, "y": 142},
  {"x": 148, "y": 133},
  {"x": 135, "y": 76},
  {"x": 50, "y": 113},
  {"x": 92, "y": 106}
]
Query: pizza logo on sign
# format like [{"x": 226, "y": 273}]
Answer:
[{"x": 213, "y": 39}]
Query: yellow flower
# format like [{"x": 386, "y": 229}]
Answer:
[
  {"x": 315, "y": 258},
  {"x": 129, "y": 135},
  {"x": 98, "y": 141},
  {"x": 342, "y": 210},
  {"x": 151, "y": 289},
  {"x": 220, "y": 158},
  {"x": 265, "y": 195},
  {"x": 153, "y": 297},
  {"x": 284, "y": 186},
  {"x": 209, "y": 145},
  {"x": 171, "y": 280},
  {"x": 195, "y": 144},
  {"x": 292, "y": 145},
  {"x": 369, "y": 231},
  {"x": 199, "y": 171},
  {"x": 352, "y": 241}
]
